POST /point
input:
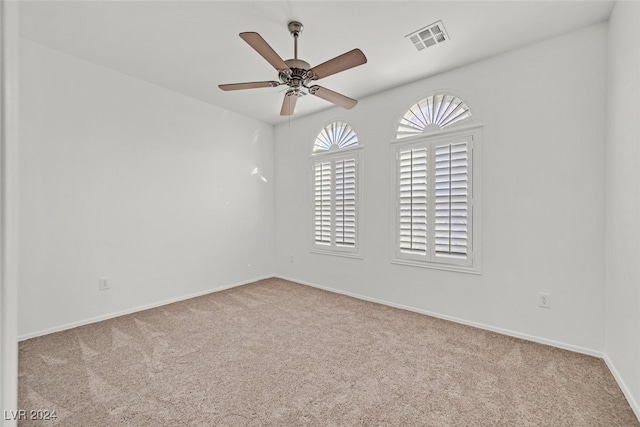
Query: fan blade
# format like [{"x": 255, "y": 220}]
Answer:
[
  {"x": 249, "y": 85},
  {"x": 288, "y": 104},
  {"x": 334, "y": 97},
  {"x": 262, "y": 47},
  {"x": 351, "y": 59}
]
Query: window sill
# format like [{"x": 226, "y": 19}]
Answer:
[
  {"x": 446, "y": 267},
  {"x": 337, "y": 253}
]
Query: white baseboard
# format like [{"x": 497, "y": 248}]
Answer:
[
  {"x": 623, "y": 386},
  {"x": 540, "y": 340},
  {"x": 135, "y": 309}
]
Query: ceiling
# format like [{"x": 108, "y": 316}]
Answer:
[{"x": 192, "y": 46}]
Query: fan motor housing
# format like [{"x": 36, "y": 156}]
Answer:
[
  {"x": 297, "y": 63},
  {"x": 298, "y": 73}
]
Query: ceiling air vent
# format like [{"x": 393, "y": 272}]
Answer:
[{"x": 428, "y": 36}]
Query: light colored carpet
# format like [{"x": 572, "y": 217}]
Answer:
[{"x": 276, "y": 353}]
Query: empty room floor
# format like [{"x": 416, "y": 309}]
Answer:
[{"x": 275, "y": 353}]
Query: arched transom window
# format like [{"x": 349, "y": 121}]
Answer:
[
  {"x": 432, "y": 113},
  {"x": 335, "y": 135}
]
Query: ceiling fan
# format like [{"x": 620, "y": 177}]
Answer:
[{"x": 297, "y": 74}]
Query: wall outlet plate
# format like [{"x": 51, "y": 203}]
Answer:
[
  {"x": 544, "y": 300},
  {"x": 103, "y": 283}
]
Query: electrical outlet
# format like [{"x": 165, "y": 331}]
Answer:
[
  {"x": 103, "y": 283},
  {"x": 544, "y": 300},
  {"x": 291, "y": 259}
]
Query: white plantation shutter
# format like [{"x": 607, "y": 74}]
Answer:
[
  {"x": 322, "y": 203},
  {"x": 345, "y": 200},
  {"x": 451, "y": 200},
  {"x": 335, "y": 204},
  {"x": 435, "y": 202},
  {"x": 412, "y": 200}
]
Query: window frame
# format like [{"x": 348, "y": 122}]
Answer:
[
  {"x": 432, "y": 139},
  {"x": 333, "y": 155}
]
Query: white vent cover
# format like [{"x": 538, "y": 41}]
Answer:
[{"x": 428, "y": 36}]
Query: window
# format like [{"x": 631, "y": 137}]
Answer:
[
  {"x": 432, "y": 113},
  {"x": 335, "y": 171},
  {"x": 335, "y": 135},
  {"x": 437, "y": 209}
]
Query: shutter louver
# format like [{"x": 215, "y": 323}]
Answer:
[
  {"x": 346, "y": 202},
  {"x": 322, "y": 204},
  {"x": 412, "y": 207},
  {"x": 451, "y": 200}
]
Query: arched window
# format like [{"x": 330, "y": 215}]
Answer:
[
  {"x": 336, "y": 167},
  {"x": 434, "y": 112},
  {"x": 335, "y": 135},
  {"x": 437, "y": 185}
]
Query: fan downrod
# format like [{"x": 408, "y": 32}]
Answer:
[{"x": 297, "y": 75}]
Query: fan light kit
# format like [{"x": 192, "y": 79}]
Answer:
[{"x": 298, "y": 74}]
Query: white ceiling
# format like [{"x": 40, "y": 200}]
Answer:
[{"x": 192, "y": 46}]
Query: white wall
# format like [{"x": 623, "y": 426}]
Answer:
[
  {"x": 122, "y": 178},
  {"x": 543, "y": 195},
  {"x": 8, "y": 208},
  {"x": 623, "y": 200}
]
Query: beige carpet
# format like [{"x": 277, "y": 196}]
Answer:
[{"x": 276, "y": 353}]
